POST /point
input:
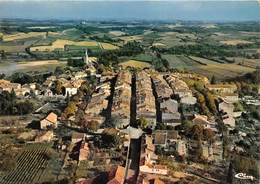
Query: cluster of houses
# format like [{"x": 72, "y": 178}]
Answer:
[
  {"x": 148, "y": 158},
  {"x": 120, "y": 112},
  {"x": 181, "y": 89},
  {"x": 168, "y": 114},
  {"x": 20, "y": 90},
  {"x": 69, "y": 87},
  {"x": 145, "y": 100},
  {"x": 227, "y": 97},
  {"x": 98, "y": 104}
]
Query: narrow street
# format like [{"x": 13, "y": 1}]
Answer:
[{"x": 135, "y": 144}]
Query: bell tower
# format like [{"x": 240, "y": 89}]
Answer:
[{"x": 86, "y": 57}]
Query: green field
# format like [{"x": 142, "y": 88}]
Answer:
[
  {"x": 180, "y": 62},
  {"x": 29, "y": 66},
  {"x": 144, "y": 57},
  {"x": 207, "y": 67}
]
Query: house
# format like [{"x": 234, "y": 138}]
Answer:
[
  {"x": 8, "y": 86},
  {"x": 148, "y": 158},
  {"x": 204, "y": 121},
  {"x": 171, "y": 119},
  {"x": 165, "y": 138},
  {"x": 80, "y": 75},
  {"x": 117, "y": 176},
  {"x": 169, "y": 105},
  {"x": 162, "y": 89},
  {"x": 230, "y": 97},
  {"x": 70, "y": 90},
  {"x": 44, "y": 136},
  {"x": 179, "y": 87},
  {"x": 120, "y": 112},
  {"x": 145, "y": 100},
  {"x": 188, "y": 100},
  {"x": 77, "y": 137},
  {"x": 222, "y": 88},
  {"x": 181, "y": 148},
  {"x": 227, "y": 111},
  {"x": 83, "y": 151},
  {"x": 154, "y": 169},
  {"x": 207, "y": 152},
  {"x": 49, "y": 121},
  {"x": 160, "y": 138}
]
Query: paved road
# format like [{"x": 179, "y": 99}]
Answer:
[{"x": 134, "y": 157}]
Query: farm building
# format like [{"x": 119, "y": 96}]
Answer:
[{"x": 49, "y": 121}]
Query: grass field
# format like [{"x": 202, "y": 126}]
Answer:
[
  {"x": 131, "y": 38},
  {"x": 60, "y": 45},
  {"x": 252, "y": 63},
  {"x": 220, "y": 70},
  {"x": 28, "y": 66},
  {"x": 171, "y": 39},
  {"x": 19, "y": 36},
  {"x": 143, "y": 57},
  {"x": 108, "y": 46},
  {"x": 180, "y": 62},
  {"x": 135, "y": 64},
  {"x": 116, "y": 33},
  {"x": 235, "y": 42},
  {"x": 13, "y": 48},
  {"x": 207, "y": 66}
]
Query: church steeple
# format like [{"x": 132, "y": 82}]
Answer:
[{"x": 86, "y": 57}]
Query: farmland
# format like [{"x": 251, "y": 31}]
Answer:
[
  {"x": 135, "y": 64},
  {"x": 131, "y": 38},
  {"x": 252, "y": 63},
  {"x": 207, "y": 67},
  {"x": 28, "y": 66},
  {"x": 31, "y": 163},
  {"x": 20, "y": 36},
  {"x": 235, "y": 42},
  {"x": 61, "y": 44},
  {"x": 180, "y": 62},
  {"x": 108, "y": 46}
]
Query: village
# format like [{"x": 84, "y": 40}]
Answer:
[{"x": 129, "y": 126}]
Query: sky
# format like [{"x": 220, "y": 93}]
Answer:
[{"x": 202, "y": 10}]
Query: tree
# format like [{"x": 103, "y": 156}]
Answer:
[
  {"x": 93, "y": 125},
  {"x": 230, "y": 173},
  {"x": 2, "y": 76},
  {"x": 70, "y": 109},
  {"x": 110, "y": 140},
  {"x": 208, "y": 135},
  {"x": 76, "y": 62},
  {"x": 59, "y": 70},
  {"x": 197, "y": 132},
  {"x": 142, "y": 122},
  {"x": 213, "y": 80},
  {"x": 58, "y": 87},
  {"x": 24, "y": 107},
  {"x": 21, "y": 78},
  {"x": 238, "y": 107},
  {"x": 186, "y": 126}
]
